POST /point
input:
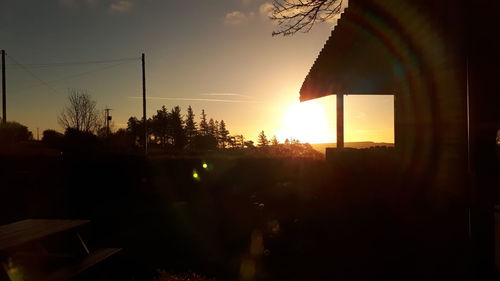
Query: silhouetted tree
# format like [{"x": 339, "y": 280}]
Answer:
[
  {"x": 13, "y": 132},
  {"x": 211, "y": 127},
  {"x": 80, "y": 114},
  {"x": 77, "y": 141},
  {"x": 190, "y": 128},
  {"x": 274, "y": 141},
  {"x": 176, "y": 128},
  {"x": 204, "y": 130},
  {"x": 223, "y": 134},
  {"x": 262, "y": 139},
  {"x": 122, "y": 141},
  {"x": 52, "y": 138},
  {"x": 239, "y": 141},
  {"x": 293, "y": 16},
  {"x": 248, "y": 144},
  {"x": 204, "y": 143},
  {"x": 292, "y": 150},
  {"x": 217, "y": 130},
  {"x": 136, "y": 128},
  {"x": 171, "y": 129},
  {"x": 160, "y": 124}
]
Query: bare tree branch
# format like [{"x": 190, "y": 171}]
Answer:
[
  {"x": 81, "y": 113},
  {"x": 293, "y": 16}
]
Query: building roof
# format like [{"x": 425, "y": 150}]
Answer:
[{"x": 370, "y": 49}]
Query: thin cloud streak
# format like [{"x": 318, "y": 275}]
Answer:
[
  {"x": 237, "y": 17},
  {"x": 198, "y": 99},
  {"x": 225, "y": 94}
]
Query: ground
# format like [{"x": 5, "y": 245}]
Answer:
[{"x": 241, "y": 218}]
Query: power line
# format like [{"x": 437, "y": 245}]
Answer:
[
  {"x": 32, "y": 74},
  {"x": 76, "y": 75},
  {"x": 63, "y": 64}
]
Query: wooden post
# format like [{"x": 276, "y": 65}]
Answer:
[{"x": 340, "y": 121}]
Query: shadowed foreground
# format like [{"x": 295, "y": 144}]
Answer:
[{"x": 249, "y": 219}]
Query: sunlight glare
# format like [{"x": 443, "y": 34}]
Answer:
[{"x": 308, "y": 122}]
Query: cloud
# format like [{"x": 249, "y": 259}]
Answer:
[
  {"x": 121, "y": 6},
  {"x": 239, "y": 17},
  {"x": 225, "y": 94},
  {"x": 265, "y": 9},
  {"x": 235, "y": 17}
]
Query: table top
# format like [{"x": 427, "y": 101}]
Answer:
[{"x": 17, "y": 233}]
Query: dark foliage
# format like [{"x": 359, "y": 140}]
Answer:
[
  {"x": 121, "y": 141},
  {"x": 306, "y": 219},
  {"x": 53, "y": 138},
  {"x": 204, "y": 143},
  {"x": 13, "y": 133},
  {"x": 76, "y": 141}
]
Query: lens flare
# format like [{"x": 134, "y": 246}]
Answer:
[
  {"x": 308, "y": 122},
  {"x": 196, "y": 176}
]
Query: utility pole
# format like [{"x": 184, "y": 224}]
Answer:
[
  {"x": 108, "y": 118},
  {"x": 4, "y": 90},
  {"x": 144, "y": 120}
]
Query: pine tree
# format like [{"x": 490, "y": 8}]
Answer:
[
  {"x": 190, "y": 125},
  {"x": 211, "y": 128},
  {"x": 203, "y": 124},
  {"x": 217, "y": 130},
  {"x": 160, "y": 126},
  {"x": 274, "y": 141},
  {"x": 223, "y": 133},
  {"x": 177, "y": 128},
  {"x": 262, "y": 139},
  {"x": 240, "y": 141}
]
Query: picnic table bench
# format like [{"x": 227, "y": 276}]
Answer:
[{"x": 47, "y": 250}]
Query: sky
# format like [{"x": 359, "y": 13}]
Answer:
[{"x": 216, "y": 55}]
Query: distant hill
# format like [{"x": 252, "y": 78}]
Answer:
[{"x": 362, "y": 144}]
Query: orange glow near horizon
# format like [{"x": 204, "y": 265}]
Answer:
[
  {"x": 367, "y": 118},
  {"x": 308, "y": 122}
]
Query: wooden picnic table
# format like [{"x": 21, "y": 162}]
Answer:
[
  {"x": 47, "y": 250},
  {"x": 25, "y": 231}
]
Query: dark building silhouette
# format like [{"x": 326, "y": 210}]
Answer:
[{"x": 440, "y": 61}]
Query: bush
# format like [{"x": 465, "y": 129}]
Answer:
[
  {"x": 78, "y": 141},
  {"x": 13, "y": 132},
  {"x": 52, "y": 138},
  {"x": 122, "y": 141},
  {"x": 204, "y": 143}
]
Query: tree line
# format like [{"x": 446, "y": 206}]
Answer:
[{"x": 168, "y": 130}]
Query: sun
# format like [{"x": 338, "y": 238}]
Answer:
[{"x": 309, "y": 121}]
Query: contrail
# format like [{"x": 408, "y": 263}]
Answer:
[
  {"x": 225, "y": 94},
  {"x": 197, "y": 99}
]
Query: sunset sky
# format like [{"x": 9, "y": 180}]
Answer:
[{"x": 216, "y": 55}]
